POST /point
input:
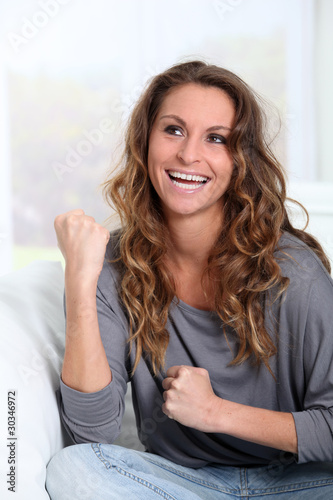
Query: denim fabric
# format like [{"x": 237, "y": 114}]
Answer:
[{"x": 103, "y": 472}]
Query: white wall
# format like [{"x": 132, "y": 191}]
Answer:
[
  {"x": 317, "y": 197},
  {"x": 323, "y": 77},
  {"x": 5, "y": 180},
  {"x": 313, "y": 184}
]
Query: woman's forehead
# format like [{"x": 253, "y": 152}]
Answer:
[{"x": 209, "y": 104}]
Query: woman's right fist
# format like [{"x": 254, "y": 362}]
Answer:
[{"x": 82, "y": 242}]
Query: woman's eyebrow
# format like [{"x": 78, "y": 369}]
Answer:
[
  {"x": 218, "y": 127},
  {"x": 175, "y": 117},
  {"x": 183, "y": 123}
]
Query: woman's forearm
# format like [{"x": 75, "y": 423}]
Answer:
[
  {"x": 265, "y": 427},
  {"x": 85, "y": 366},
  {"x": 83, "y": 244},
  {"x": 190, "y": 399}
]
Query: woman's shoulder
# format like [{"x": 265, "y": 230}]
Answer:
[
  {"x": 296, "y": 258},
  {"x": 113, "y": 246},
  {"x": 110, "y": 275},
  {"x": 305, "y": 310}
]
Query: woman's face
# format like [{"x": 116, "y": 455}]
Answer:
[{"x": 188, "y": 162}]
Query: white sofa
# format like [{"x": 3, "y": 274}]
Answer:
[{"x": 31, "y": 347}]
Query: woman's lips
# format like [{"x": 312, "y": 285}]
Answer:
[{"x": 187, "y": 181}]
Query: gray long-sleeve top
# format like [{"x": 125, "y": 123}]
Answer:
[{"x": 300, "y": 322}]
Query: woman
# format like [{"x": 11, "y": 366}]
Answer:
[{"x": 214, "y": 307}]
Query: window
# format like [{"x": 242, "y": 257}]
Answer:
[{"x": 71, "y": 71}]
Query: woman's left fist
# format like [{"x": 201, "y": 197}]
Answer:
[{"x": 189, "y": 398}]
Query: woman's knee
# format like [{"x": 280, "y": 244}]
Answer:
[{"x": 71, "y": 473}]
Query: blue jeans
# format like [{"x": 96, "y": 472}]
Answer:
[{"x": 103, "y": 472}]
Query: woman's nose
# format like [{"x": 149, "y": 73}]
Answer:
[{"x": 189, "y": 151}]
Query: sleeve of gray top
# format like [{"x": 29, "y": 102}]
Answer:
[
  {"x": 97, "y": 416},
  {"x": 314, "y": 425}
]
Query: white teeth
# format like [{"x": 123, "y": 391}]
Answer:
[
  {"x": 188, "y": 177},
  {"x": 187, "y": 186}
]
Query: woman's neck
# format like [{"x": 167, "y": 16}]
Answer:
[{"x": 191, "y": 241}]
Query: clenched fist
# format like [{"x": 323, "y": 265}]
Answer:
[
  {"x": 82, "y": 242},
  {"x": 190, "y": 399}
]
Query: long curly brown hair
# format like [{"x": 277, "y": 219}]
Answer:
[{"x": 254, "y": 216}]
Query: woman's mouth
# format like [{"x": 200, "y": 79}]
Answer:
[{"x": 187, "y": 181}]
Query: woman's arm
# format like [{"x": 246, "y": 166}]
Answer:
[
  {"x": 189, "y": 399},
  {"x": 83, "y": 243}
]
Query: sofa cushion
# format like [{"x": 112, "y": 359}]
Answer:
[{"x": 31, "y": 348}]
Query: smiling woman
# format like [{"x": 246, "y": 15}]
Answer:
[
  {"x": 238, "y": 254},
  {"x": 204, "y": 289}
]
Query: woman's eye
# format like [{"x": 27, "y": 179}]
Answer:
[
  {"x": 173, "y": 130},
  {"x": 217, "y": 139}
]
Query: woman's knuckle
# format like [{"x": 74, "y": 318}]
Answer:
[
  {"x": 182, "y": 370},
  {"x": 71, "y": 218}
]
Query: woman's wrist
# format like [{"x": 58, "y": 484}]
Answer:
[
  {"x": 215, "y": 417},
  {"x": 80, "y": 283}
]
